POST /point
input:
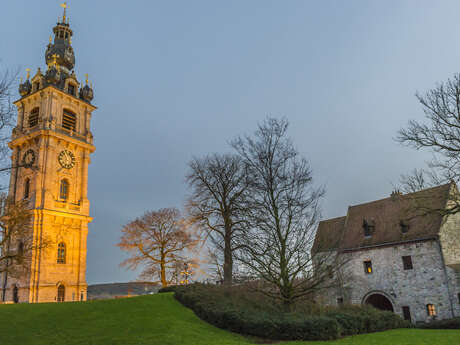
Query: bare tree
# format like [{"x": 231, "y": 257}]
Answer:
[
  {"x": 7, "y": 115},
  {"x": 218, "y": 184},
  {"x": 158, "y": 241},
  {"x": 282, "y": 211},
  {"x": 16, "y": 236},
  {"x": 440, "y": 135}
]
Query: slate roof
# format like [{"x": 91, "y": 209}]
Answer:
[{"x": 415, "y": 210}]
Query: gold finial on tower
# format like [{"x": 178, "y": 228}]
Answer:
[
  {"x": 64, "y": 6},
  {"x": 86, "y": 77},
  {"x": 28, "y": 73},
  {"x": 51, "y": 39}
]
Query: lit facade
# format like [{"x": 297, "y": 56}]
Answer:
[{"x": 51, "y": 147}]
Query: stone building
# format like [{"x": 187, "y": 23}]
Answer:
[
  {"x": 401, "y": 254},
  {"x": 51, "y": 146}
]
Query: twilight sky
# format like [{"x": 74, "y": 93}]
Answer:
[{"x": 174, "y": 79}]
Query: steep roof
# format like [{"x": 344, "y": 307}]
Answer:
[{"x": 417, "y": 210}]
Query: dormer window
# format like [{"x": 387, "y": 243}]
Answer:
[
  {"x": 368, "y": 228},
  {"x": 33, "y": 117},
  {"x": 404, "y": 227},
  {"x": 71, "y": 89},
  {"x": 69, "y": 120},
  {"x": 37, "y": 86}
]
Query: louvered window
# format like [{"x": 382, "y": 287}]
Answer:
[
  {"x": 69, "y": 120},
  {"x": 33, "y": 117}
]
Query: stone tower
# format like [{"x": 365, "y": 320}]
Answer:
[{"x": 51, "y": 147}]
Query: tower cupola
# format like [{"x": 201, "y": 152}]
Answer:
[{"x": 60, "y": 50}]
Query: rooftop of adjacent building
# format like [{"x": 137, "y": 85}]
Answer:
[{"x": 397, "y": 219}]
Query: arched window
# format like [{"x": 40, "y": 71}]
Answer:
[
  {"x": 71, "y": 89},
  {"x": 15, "y": 294},
  {"x": 69, "y": 120},
  {"x": 33, "y": 117},
  {"x": 61, "y": 293},
  {"x": 26, "y": 188},
  {"x": 64, "y": 190},
  {"x": 61, "y": 253}
]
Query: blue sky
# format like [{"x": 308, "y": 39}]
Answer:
[{"x": 176, "y": 79}]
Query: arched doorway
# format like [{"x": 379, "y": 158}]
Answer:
[
  {"x": 379, "y": 301},
  {"x": 61, "y": 293},
  {"x": 15, "y": 294}
]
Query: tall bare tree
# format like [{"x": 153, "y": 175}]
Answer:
[
  {"x": 439, "y": 134},
  {"x": 7, "y": 115},
  {"x": 282, "y": 211},
  {"x": 16, "y": 240},
  {"x": 218, "y": 184},
  {"x": 158, "y": 241}
]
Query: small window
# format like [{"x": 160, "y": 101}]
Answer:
[
  {"x": 61, "y": 293},
  {"x": 430, "y": 309},
  {"x": 330, "y": 272},
  {"x": 69, "y": 120},
  {"x": 368, "y": 267},
  {"x": 64, "y": 190},
  {"x": 37, "y": 86},
  {"x": 407, "y": 262},
  {"x": 33, "y": 117},
  {"x": 404, "y": 227},
  {"x": 368, "y": 228},
  {"x": 26, "y": 188},
  {"x": 71, "y": 89},
  {"x": 61, "y": 253},
  {"x": 21, "y": 248},
  {"x": 340, "y": 300},
  {"x": 406, "y": 313}
]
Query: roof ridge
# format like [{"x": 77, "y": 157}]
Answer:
[
  {"x": 331, "y": 219},
  {"x": 407, "y": 194}
]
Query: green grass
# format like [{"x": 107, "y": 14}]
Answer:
[{"x": 157, "y": 319}]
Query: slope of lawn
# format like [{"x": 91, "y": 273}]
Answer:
[{"x": 157, "y": 319}]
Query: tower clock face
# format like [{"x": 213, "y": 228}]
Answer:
[
  {"x": 66, "y": 159},
  {"x": 28, "y": 159}
]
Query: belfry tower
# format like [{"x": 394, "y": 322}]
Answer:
[{"x": 51, "y": 147}]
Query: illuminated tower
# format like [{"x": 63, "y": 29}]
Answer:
[{"x": 51, "y": 144}]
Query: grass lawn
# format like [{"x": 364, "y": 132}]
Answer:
[{"x": 157, "y": 319}]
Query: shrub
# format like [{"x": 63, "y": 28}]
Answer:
[
  {"x": 245, "y": 312},
  {"x": 170, "y": 288},
  {"x": 442, "y": 324}
]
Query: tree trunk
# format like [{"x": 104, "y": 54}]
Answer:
[
  {"x": 163, "y": 271},
  {"x": 228, "y": 258}
]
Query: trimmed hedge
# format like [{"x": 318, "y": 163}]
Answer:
[
  {"x": 442, "y": 324},
  {"x": 220, "y": 310},
  {"x": 170, "y": 288}
]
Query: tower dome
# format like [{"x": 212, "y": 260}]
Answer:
[{"x": 61, "y": 47}]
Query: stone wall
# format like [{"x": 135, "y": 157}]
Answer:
[{"x": 429, "y": 282}]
